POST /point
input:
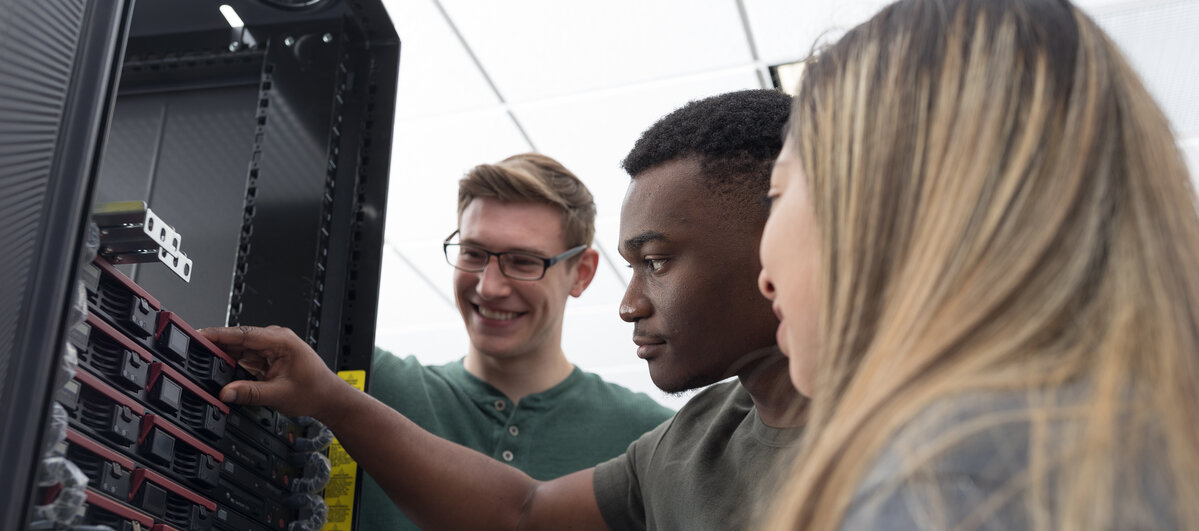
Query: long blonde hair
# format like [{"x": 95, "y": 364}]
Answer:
[{"x": 1002, "y": 207}]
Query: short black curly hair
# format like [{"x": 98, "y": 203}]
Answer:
[{"x": 735, "y": 136}]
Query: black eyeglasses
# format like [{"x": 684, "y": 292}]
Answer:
[{"x": 515, "y": 265}]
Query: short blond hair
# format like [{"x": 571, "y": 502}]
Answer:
[{"x": 537, "y": 178}]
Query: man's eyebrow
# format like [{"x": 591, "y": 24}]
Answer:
[{"x": 635, "y": 243}]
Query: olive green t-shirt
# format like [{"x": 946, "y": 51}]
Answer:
[
  {"x": 569, "y": 427},
  {"x": 707, "y": 468}
]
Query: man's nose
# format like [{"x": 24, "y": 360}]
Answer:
[
  {"x": 492, "y": 282},
  {"x": 634, "y": 306}
]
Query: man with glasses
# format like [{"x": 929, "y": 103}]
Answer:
[{"x": 522, "y": 248}]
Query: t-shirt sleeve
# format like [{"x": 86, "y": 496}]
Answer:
[{"x": 618, "y": 482}]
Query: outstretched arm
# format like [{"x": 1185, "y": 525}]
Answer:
[{"x": 438, "y": 484}]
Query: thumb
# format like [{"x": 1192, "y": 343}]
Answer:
[{"x": 252, "y": 393}]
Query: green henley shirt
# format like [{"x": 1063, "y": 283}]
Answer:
[{"x": 569, "y": 427}]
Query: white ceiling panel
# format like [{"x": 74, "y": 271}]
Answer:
[
  {"x": 607, "y": 232},
  {"x": 408, "y": 305},
  {"x": 1190, "y": 150},
  {"x": 785, "y": 30},
  {"x": 591, "y": 133},
  {"x": 437, "y": 76},
  {"x": 1093, "y": 7},
  {"x": 533, "y": 49},
  {"x": 594, "y": 337},
  {"x": 428, "y": 258},
  {"x": 429, "y": 156},
  {"x": 1160, "y": 40}
]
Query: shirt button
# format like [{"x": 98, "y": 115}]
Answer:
[
  {"x": 500, "y": 405},
  {"x": 514, "y": 430},
  {"x": 508, "y": 455}
]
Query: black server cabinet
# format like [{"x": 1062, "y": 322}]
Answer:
[
  {"x": 56, "y": 83},
  {"x": 266, "y": 146}
]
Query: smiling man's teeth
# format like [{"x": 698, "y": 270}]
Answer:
[{"x": 498, "y": 316}]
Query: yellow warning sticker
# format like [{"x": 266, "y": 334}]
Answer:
[{"x": 339, "y": 493}]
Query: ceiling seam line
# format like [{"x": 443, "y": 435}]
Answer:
[
  {"x": 421, "y": 274},
  {"x": 482, "y": 71},
  {"x": 596, "y": 92},
  {"x": 749, "y": 40}
]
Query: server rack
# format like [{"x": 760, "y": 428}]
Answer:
[{"x": 266, "y": 147}]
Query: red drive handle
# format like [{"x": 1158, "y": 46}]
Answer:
[{"x": 142, "y": 475}]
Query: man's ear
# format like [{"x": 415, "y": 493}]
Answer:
[{"x": 588, "y": 263}]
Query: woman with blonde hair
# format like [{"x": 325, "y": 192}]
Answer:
[{"x": 982, "y": 250}]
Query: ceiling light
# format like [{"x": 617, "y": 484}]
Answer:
[
  {"x": 231, "y": 16},
  {"x": 786, "y": 76}
]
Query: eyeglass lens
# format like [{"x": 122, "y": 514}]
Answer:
[{"x": 513, "y": 264}]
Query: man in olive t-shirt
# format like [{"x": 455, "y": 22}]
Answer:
[
  {"x": 690, "y": 227},
  {"x": 705, "y": 469}
]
